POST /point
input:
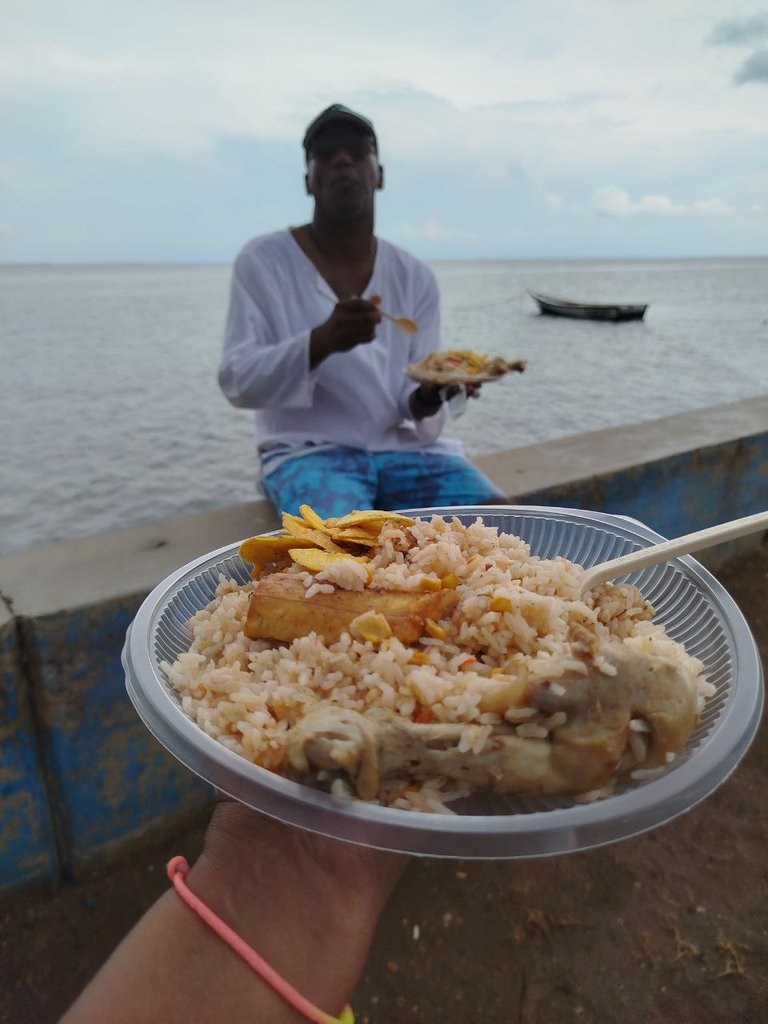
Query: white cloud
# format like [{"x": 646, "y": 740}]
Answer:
[
  {"x": 432, "y": 230},
  {"x": 497, "y": 120},
  {"x": 614, "y": 201},
  {"x": 710, "y": 206}
]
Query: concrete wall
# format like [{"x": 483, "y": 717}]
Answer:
[{"x": 81, "y": 779}]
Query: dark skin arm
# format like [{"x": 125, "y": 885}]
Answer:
[
  {"x": 425, "y": 401},
  {"x": 308, "y": 905}
]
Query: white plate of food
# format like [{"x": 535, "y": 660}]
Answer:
[
  {"x": 462, "y": 366},
  {"x": 468, "y": 737}
]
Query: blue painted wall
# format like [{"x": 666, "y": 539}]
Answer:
[
  {"x": 27, "y": 838},
  {"x": 110, "y": 781},
  {"x": 679, "y": 494}
]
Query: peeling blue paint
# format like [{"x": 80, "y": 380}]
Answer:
[
  {"x": 113, "y": 781},
  {"x": 27, "y": 840}
]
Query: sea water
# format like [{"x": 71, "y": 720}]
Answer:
[{"x": 111, "y": 415}]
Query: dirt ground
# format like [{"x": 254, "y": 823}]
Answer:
[{"x": 667, "y": 927}]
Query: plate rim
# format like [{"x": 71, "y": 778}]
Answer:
[{"x": 439, "y": 377}]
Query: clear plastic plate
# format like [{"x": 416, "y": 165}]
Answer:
[{"x": 693, "y": 607}]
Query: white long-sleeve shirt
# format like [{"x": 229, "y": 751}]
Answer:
[{"x": 358, "y": 398}]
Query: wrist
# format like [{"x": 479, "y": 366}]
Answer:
[
  {"x": 250, "y": 860},
  {"x": 307, "y": 905},
  {"x": 429, "y": 395},
  {"x": 425, "y": 400}
]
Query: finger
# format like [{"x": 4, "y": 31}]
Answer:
[
  {"x": 369, "y": 317},
  {"x": 357, "y": 304}
]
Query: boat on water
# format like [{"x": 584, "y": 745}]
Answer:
[{"x": 587, "y": 310}]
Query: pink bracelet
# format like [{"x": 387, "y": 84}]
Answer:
[{"x": 177, "y": 871}]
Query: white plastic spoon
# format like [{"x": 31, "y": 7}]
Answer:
[
  {"x": 669, "y": 549},
  {"x": 403, "y": 322}
]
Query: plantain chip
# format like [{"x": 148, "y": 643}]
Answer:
[
  {"x": 368, "y": 540},
  {"x": 314, "y": 559},
  {"x": 311, "y": 517},
  {"x": 364, "y": 517},
  {"x": 307, "y": 537},
  {"x": 298, "y": 528},
  {"x": 263, "y": 549},
  {"x": 370, "y": 529}
]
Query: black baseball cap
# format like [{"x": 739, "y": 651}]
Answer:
[{"x": 337, "y": 113}]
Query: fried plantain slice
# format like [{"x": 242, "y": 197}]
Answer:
[
  {"x": 370, "y": 526},
  {"x": 367, "y": 540},
  {"x": 279, "y": 610},
  {"x": 263, "y": 549},
  {"x": 311, "y": 517},
  {"x": 298, "y": 528},
  {"x": 362, "y": 517},
  {"x": 316, "y": 559}
]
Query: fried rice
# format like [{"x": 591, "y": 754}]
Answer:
[{"x": 248, "y": 694}]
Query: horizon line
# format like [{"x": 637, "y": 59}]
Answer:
[{"x": 7, "y": 264}]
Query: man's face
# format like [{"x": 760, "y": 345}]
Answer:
[{"x": 343, "y": 172}]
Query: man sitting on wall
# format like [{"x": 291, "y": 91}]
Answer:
[{"x": 339, "y": 423}]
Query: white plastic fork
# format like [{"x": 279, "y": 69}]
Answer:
[{"x": 669, "y": 549}]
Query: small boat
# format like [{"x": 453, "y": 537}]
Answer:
[{"x": 587, "y": 310}]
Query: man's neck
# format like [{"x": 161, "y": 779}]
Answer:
[
  {"x": 343, "y": 243},
  {"x": 344, "y": 255}
]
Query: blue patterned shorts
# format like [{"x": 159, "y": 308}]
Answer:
[{"x": 336, "y": 480}]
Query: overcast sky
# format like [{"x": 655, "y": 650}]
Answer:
[{"x": 518, "y": 129}]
